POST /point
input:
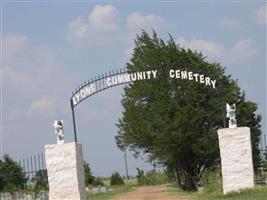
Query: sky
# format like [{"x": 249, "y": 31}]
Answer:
[{"x": 51, "y": 47}]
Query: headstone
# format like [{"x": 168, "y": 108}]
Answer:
[
  {"x": 65, "y": 168},
  {"x": 236, "y": 159}
]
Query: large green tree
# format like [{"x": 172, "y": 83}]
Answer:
[{"x": 175, "y": 121}]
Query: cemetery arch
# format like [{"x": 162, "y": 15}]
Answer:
[{"x": 123, "y": 76}]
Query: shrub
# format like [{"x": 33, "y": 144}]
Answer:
[
  {"x": 98, "y": 181},
  {"x": 116, "y": 179},
  {"x": 156, "y": 178},
  {"x": 151, "y": 177},
  {"x": 141, "y": 178},
  {"x": 89, "y": 178}
]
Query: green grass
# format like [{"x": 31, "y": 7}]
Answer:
[
  {"x": 214, "y": 193},
  {"x": 258, "y": 193},
  {"x": 175, "y": 191}
]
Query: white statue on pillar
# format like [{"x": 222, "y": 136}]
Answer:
[
  {"x": 231, "y": 114},
  {"x": 59, "y": 131}
]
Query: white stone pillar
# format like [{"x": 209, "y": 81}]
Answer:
[
  {"x": 236, "y": 159},
  {"x": 65, "y": 168}
]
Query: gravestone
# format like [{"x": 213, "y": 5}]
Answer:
[{"x": 65, "y": 169}]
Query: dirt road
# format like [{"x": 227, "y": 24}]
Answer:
[{"x": 159, "y": 192}]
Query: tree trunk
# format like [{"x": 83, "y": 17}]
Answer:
[
  {"x": 178, "y": 177},
  {"x": 189, "y": 184},
  {"x": 126, "y": 164}
]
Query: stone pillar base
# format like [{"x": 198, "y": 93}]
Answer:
[
  {"x": 65, "y": 168},
  {"x": 236, "y": 159}
]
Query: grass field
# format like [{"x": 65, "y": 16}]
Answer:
[
  {"x": 176, "y": 192},
  {"x": 258, "y": 193}
]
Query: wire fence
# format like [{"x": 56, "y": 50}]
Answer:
[
  {"x": 261, "y": 173},
  {"x": 263, "y": 147},
  {"x": 33, "y": 164}
]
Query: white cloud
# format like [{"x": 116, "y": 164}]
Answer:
[
  {"x": 78, "y": 27},
  {"x": 13, "y": 114},
  {"x": 104, "y": 18},
  {"x": 101, "y": 27},
  {"x": 31, "y": 71},
  {"x": 16, "y": 76},
  {"x": 230, "y": 23},
  {"x": 44, "y": 104},
  {"x": 137, "y": 21},
  {"x": 242, "y": 51},
  {"x": 261, "y": 15},
  {"x": 206, "y": 46},
  {"x": 12, "y": 45}
]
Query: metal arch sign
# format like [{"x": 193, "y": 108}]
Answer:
[
  {"x": 123, "y": 77},
  {"x": 120, "y": 77}
]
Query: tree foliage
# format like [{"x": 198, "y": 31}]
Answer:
[
  {"x": 116, "y": 179},
  {"x": 12, "y": 176},
  {"x": 41, "y": 180},
  {"x": 175, "y": 121},
  {"x": 151, "y": 177},
  {"x": 89, "y": 178},
  {"x": 98, "y": 182}
]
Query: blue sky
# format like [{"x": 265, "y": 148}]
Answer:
[{"x": 49, "y": 48}]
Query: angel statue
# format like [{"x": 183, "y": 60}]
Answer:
[
  {"x": 231, "y": 114},
  {"x": 59, "y": 131}
]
